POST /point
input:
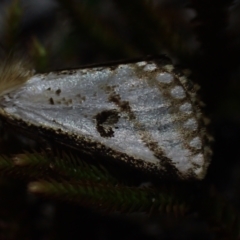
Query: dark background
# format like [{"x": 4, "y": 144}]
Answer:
[{"x": 201, "y": 35}]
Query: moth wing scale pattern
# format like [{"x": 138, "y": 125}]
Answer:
[{"x": 143, "y": 113}]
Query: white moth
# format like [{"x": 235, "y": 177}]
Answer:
[{"x": 143, "y": 113}]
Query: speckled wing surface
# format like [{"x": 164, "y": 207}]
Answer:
[{"x": 143, "y": 113}]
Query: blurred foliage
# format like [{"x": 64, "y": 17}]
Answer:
[{"x": 198, "y": 34}]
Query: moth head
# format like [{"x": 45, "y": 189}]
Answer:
[{"x": 13, "y": 73}]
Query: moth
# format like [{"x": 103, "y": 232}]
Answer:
[{"x": 143, "y": 113}]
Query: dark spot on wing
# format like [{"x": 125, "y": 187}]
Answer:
[
  {"x": 81, "y": 98},
  {"x": 58, "y": 92},
  {"x": 113, "y": 67},
  {"x": 109, "y": 89},
  {"x": 67, "y": 102},
  {"x": 49, "y": 89},
  {"x": 123, "y": 105},
  {"x": 51, "y": 101},
  {"x": 66, "y": 72},
  {"x": 105, "y": 122}
]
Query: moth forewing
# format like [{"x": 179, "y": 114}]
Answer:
[{"x": 142, "y": 113}]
